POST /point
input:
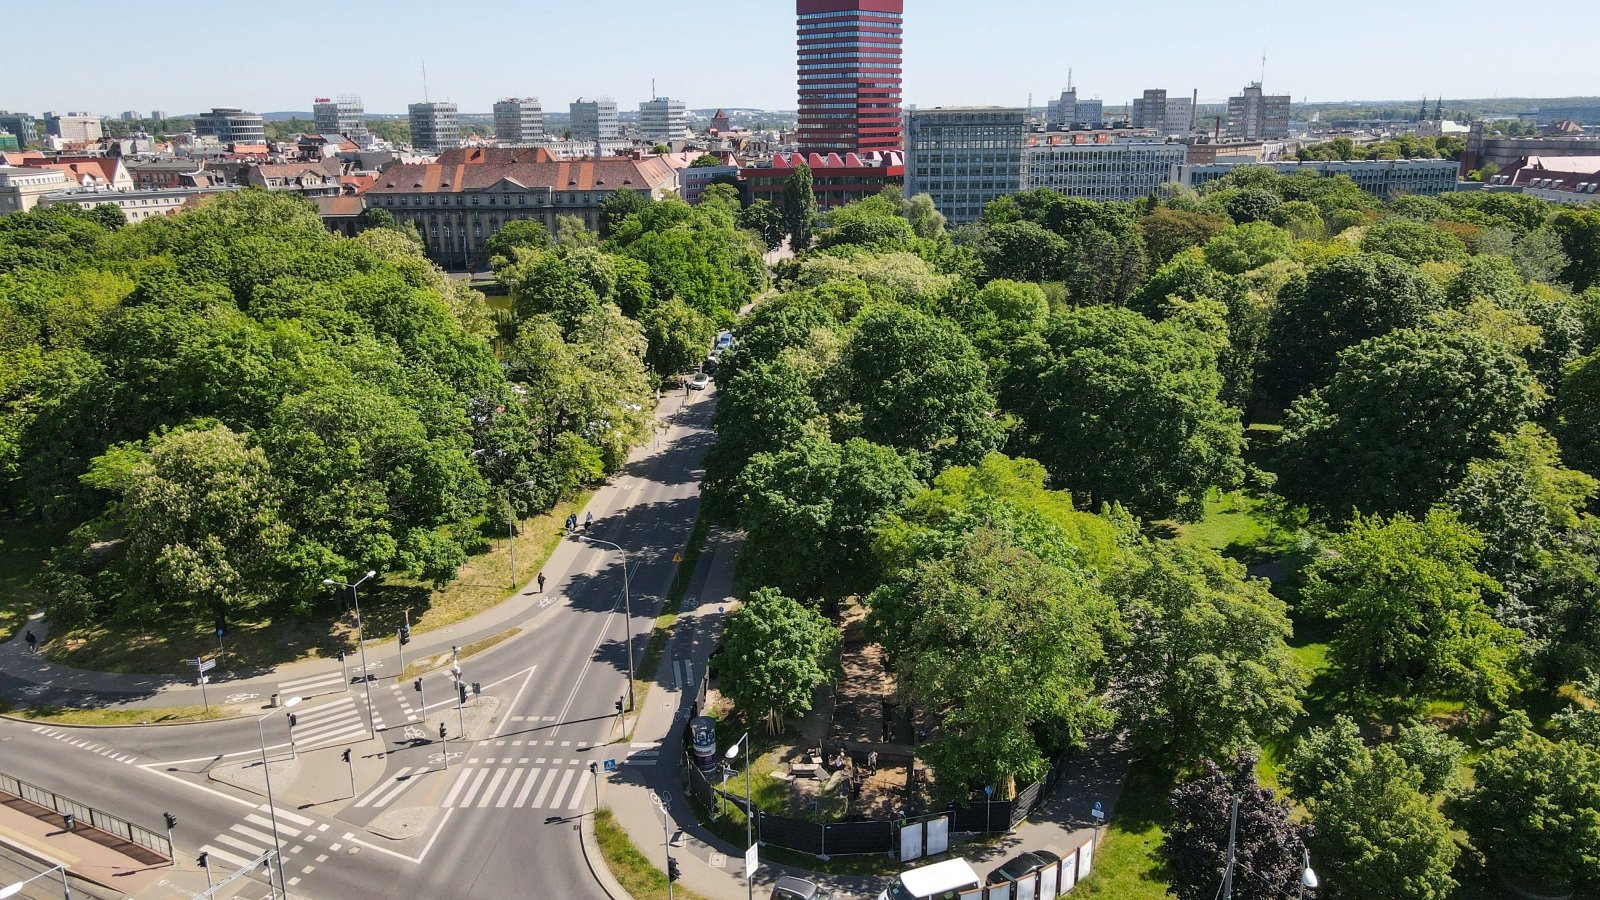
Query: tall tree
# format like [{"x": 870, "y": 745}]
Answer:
[
  {"x": 1269, "y": 847},
  {"x": 776, "y": 654},
  {"x": 1579, "y": 232},
  {"x": 799, "y": 207}
]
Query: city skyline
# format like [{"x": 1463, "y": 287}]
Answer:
[{"x": 952, "y": 57}]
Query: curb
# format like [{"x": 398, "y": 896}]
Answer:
[
  {"x": 45, "y": 859},
  {"x": 23, "y": 720},
  {"x": 597, "y": 863}
]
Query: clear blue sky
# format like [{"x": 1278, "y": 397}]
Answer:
[{"x": 109, "y": 56}]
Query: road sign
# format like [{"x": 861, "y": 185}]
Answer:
[
  {"x": 611, "y": 765},
  {"x": 677, "y": 558},
  {"x": 206, "y": 665},
  {"x": 751, "y": 861},
  {"x": 988, "y": 790},
  {"x": 1098, "y": 812}
]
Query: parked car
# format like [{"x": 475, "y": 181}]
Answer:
[
  {"x": 724, "y": 341},
  {"x": 1021, "y": 866},
  {"x": 700, "y": 381},
  {"x": 791, "y": 888},
  {"x": 940, "y": 881}
]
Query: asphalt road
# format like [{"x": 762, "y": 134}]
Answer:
[{"x": 502, "y": 821}]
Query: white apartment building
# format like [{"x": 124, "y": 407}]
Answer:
[
  {"x": 76, "y": 127},
  {"x": 594, "y": 120},
  {"x": 231, "y": 125},
  {"x": 344, "y": 116},
  {"x": 1163, "y": 114},
  {"x": 519, "y": 120},
  {"x": 434, "y": 128},
  {"x": 20, "y": 188},
  {"x": 1097, "y": 167},
  {"x": 663, "y": 120},
  {"x": 964, "y": 156}
]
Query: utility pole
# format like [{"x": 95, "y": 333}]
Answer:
[{"x": 1233, "y": 832}]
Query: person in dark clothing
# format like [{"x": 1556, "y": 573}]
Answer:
[
  {"x": 541, "y": 582},
  {"x": 33, "y": 642}
]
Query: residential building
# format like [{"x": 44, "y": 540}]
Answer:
[
  {"x": 231, "y": 125},
  {"x": 663, "y": 120},
  {"x": 1382, "y": 177},
  {"x": 1099, "y": 166},
  {"x": 1559, "y": 179},
  {"x": 136, "y": 205},
  {"x": 1069, "y": 112},
  {"x": 75, "y": 127},
  {"x": 1205, "y": 151},
  {"x": 344, "y": 116},
  {"x": 87, "y": 171},
  {"x": 519, "y": 120},
  {"x": 167, "y": 173},
  {"x": 849, "y": 75},
  {"x": 1258, "y": 116},
  {"x": 594, "y": 120},
  {"x": 131, "y": 115},
  {"x": 964, "y": 157},
  {"x": 1163, "y": 114},
  {"x": 312, "y": 179},
  {"x": 693, "y": 181},
  {"x": 836, "y": 178},
  {"x": 456, "y": 207},
  {"x": 21, "y": 188},
  {"x": 158, "y": 115},
  {"x": 341, "y": 215},
  {"x": 433, "y": 126},
  {"x": 22, "y": 125}
]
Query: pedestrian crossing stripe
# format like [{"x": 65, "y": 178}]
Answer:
[
  {"x": 86, "y": 744},
  {"x": 244, "y": 842},
  {"x": 388, "y": 790},
  {"x": 330, "y": 723},
  {"x": 532, "y": 787},
  {"x": 314, "y": 685}
]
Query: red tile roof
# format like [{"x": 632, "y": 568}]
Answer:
[
  {"x": 339, "y": 206},
  {"x": 607, "y": 174},
  {"x": 494, "y": 155}
]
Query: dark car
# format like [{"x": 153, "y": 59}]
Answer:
[
  {"x": 791, "y": 888},
  {"x": 1022, "y": 865}
]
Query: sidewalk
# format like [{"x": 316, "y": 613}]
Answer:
[
  {"x": 713, "y": 868},
  {"x": 28, "y": 677}
]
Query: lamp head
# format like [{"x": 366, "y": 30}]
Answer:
[
  {"x": 733, "y": 752},
  {"x": 329, "y": 582},
  {"x": 371, "y": 573},
  {"x": 11, "y": 890},
  {"x": 1309, "y": 878}
]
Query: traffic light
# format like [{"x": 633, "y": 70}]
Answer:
[
  {"x": 463, "y": 689},
  {"x": 619, "y": 706},
  {"x": 341, "y": 656},
  {"x": 293, "y": 720},
  {"x": 346, "y": 755},
  {"x": 172, "y": 820},
  {"x": 416, "y": 685},
  {"x": 672, "y": 869},
  {"x": 442, "y": 733},
  {"x": 204, "y": 860},
  {"x": 405, "y": 635},
  {"x": 594, "y": 768},
  {"x": 476, "y": 689}
]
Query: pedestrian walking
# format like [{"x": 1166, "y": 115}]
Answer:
[
  {"x": 541, "y": 582},
  {"x": 588, "y": 520},
  {"x": 872, "y": 762},
  {"x": 33, "y": 642},
  {"x": 572, "y": 521}
]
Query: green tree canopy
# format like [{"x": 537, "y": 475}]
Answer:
[{"x": 776, "y": 653}]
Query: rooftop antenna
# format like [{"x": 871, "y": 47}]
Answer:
[
  {"x": 652, "y": 89},
  {"x": 424, "y": 81},
  {"x": 1263, "y": 81},
  {"x": 1069, "y": 79}
]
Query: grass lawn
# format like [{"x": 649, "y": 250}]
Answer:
[
  {"x": 163, "y": 716},
  {"x": 24, "y": 546},
  {"x": 632, "y": 870},
  {"x": 1127, "y": 864},
  {"x": 481, "y": 583}
]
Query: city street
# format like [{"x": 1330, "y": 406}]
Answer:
[{"x": 503, "y": 816}]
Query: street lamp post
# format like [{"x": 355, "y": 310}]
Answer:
[
  {"x": 266, "y": 769},
  {"x": 1308, "y": 878},
  {"x": 361, "y": 642},
  {"x": 11, "y": 890},
  {"x": 627, "y": 609},
  {"x": 749, "y": 810}
]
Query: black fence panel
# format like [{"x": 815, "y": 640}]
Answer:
[
  {"x": 792, "y": 834},
  {"x": 845, "y": 838},
  {"x": 994, "y": 815}
]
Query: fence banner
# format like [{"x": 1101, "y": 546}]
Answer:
[
  {"x": 1086, "y": 859},
  {"x": 938, "y": 839},
  {"x": 1048, "y": 880},
  {"x": 1028, "y": 888},
  {"x": 910, "y": 841},
  {"x": 972, "y": 894},
  {"x": 999, "y": 891},
  {"x": 1069, "y": 873}
]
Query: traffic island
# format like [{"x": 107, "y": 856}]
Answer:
[{"x": 403, "y": 823}]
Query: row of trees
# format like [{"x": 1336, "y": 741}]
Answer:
[{"x": 1428, "y": 360}]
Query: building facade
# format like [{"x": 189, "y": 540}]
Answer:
[
  {"x": 20, "y": 124},
  {"x": 1162, "y": 114},
  {"x": 1499, "y": 152},
  {"x": 21, "y": 189},
  {"x": 77, "y": 127},
  {"x": 964, "y": 157},
  {"x": 1069, "y": 112},
  {"x": 663, "y": 120},
  {"x": 693, "y": 181},
  {"x": 518, "y": 120},
  {"x": 231, "y": 125},
  {"x": 1381, "y": 177},
  {"x": 136, "y": 205},
  {"x": 836, "y": 179},
  {"x": 1100, "y": 167},
  {"x": 433, "y": 126},
  {"x": 344, "y": 116},
  {"x": 1258, "y": 116},
  {"x": 849, "y": 75},
  {"x": 456, "y": 207},
  {"x": 166, "y": 173},
  {"x": 158, "y": 115},
  {"x": 594, "y": 120},
  {"x": 1559, "y": 179}
]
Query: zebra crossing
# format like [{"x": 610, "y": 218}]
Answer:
[
  {"x": 330, "y": 723},
  {"x": 86, "y": 744},
  {"x": 406, "y": 708},
  {"x": 557, "y": 785},
  {"x": 314, "y": 685},
  {"x": 245, "y": 841}
]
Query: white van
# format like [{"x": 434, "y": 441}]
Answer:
[{"x": 940, "y": 881}]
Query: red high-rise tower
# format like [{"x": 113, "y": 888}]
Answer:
[{"x": 849, "y": 75}]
